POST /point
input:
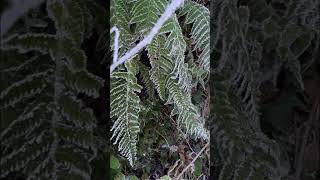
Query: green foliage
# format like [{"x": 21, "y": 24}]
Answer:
[
  {"x": 245, "y": 152},
  {"x": 114, "y": 163},
  {"x": 125, "y": 105},
  {"x": 167, "y": 70},
  {"x": 198, "y": 15},
  {"x": 144, "y": 74},
  {"x": 165, "y": 178},
  {"x": 253, "y": 42},
  {"x": 43, "y": 134}
]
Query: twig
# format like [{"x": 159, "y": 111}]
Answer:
[
  {"x": 172, "y": 7},
  {"x": 116, "y": 43},
  {"x": 192, "y": 162},
  {"x": 163, "y": 138},
  {"x": 174, "y": 166},
  {"x": 200, "y": 177}
]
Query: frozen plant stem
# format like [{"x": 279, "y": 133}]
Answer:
[
  {"x": 116, "y": 43},
  {"x": 172, "y": 7},
  {"x": 192, "y": 162}
]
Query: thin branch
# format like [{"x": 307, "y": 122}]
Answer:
[
  {"x": 116, "y": 43},
  {"x": 192, "y": 162},
  {"x": 172, "y": 7},
  {"x": 163, "y": 137}
]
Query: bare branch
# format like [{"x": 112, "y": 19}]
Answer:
[
  {"x": 192, "y": 162},
  {"x": 172, "y": 7}
]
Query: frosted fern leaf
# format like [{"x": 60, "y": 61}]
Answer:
[{"x": 125, "y": 107}]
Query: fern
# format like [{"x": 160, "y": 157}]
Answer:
[
  {"x": 253, "y": 43},
  {"x": 177, "y": 46},
  {"x": 241, "y": 56},
  {"x": 246, "y": 153},
  {"x": 125, "y": 106},
  {"x": 44, "y": 135},
  {"x": 121, "y": 15},
  {"x": 170, "y": 72},
  {"x": 188, "y": 116},
  {"x": 48, "y": 43},
  {"x": 198, "y": 15},
  {"x": 161, "y": 64},
  {"x": 144, "y": 74},
  {"x": 146, "y": 17}
]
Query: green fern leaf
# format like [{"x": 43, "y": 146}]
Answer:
[
  {"x": 243, "y": 150},
  {"x": 68, "y": 17},
  {"x": 144, "y": 14},
  {"x": 48, "y": 43},
  {"x": 121, "y": 15},
  {"x": 83, "y": 82},
  {"x": 144, "y": 73},
  {"x": 125, "y": 107},
  {"x": 17, "y": 160},
  {"x": 77, "y": 169},
  {"x": 161, "y": 65},
  {"x": 70, "y": 111},
  {"x": 28, "y": 121},
  {"x": 39, "y": 137},
  {"x": 26, "y": 88},
  {"x": 188, "y": 116},
  {"x": 198, "y": 15},
  {"x": 176, "y": 45},
  {"x": 169, "y": 72},
  {"x": 170, "y": 90}
]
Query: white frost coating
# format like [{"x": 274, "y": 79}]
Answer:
[
  {"x": 116, "y": 43},
  {"x": 172, "y": 7},
  {"x": 15, "y": 10}
]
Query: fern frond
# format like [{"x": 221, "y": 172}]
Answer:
[
  {"x": 70, "y": 109},
  {"x": 29, "y": 62},
  {"x": 144, "y": 14},
  {"x": 246, "y": 83},
  {"x": 144, "y": 73},
  {"x": 199, "y": 15},
  {"x": 79, "y": 138},
  {"x": 26, "y": 88},
  {"x": 42, "y": 103},
  {"x": 188, "y": 116},
  {"x": 241, "y": 55},
  {"x": 121, "y": 14},
  {"x": 170, "y": 90},
  {"x": 83, "y": 82},
  {"x": 17, "y": 160},
  {"x": 48, "y": 43},
  {"x": 169, "y": 72},
  {"x": 125, "y": 107},
  {"x": 77, "y": 169},
  {"x": 161, "y": 64},
  {"x": 176, "y": 45},
  {"x": 26, "y": 122},
  {"x": 243, "y": 151},
  {"x": 69, "y": 18},
  {"x": 27, "y": 42}
]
